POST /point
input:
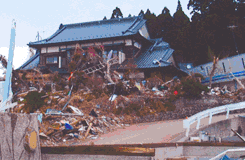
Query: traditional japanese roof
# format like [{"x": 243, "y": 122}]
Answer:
[
  {"x": 116, "y": 27},
  {"x": 158, "y": 52}
]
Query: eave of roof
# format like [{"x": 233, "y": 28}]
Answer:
[
  {"x": 29, "y": 61},
  {"x": 158, "y": 51},
  {"x": 94, "y": 30}
]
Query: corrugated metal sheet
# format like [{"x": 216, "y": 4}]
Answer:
[{"x": 94, "y": 30}]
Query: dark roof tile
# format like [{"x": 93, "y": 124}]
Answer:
[{"x": 94, "y": 30}]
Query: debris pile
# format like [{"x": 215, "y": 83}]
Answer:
[
  {"x": 57, "y": 128},
  {"x": 94, "y": 99}
]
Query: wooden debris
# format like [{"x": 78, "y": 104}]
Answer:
[{"x": 89, "y": 127}]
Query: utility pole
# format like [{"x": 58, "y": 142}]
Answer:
[
  {"x": 38, "y": 36},
  {"x": 232, "y": 29}
]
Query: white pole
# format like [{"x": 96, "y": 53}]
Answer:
[{"x": 7, "y": 84}]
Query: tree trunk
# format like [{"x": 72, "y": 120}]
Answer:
[
  {"x": 215, "y": 62},
  {"x": 19, "y": 137}
]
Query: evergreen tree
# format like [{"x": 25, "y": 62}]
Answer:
[
  {"x": 165, "y": 22},
  {"x": 105, "y": 18},
  {"x": 141, "y": 12},
  {"x": 212, "y": 24},
  {"x": 179, "y": 7},
  {"x": 116, "y": 13},
  {"x": 152, "y": 24},
  {"x": 179, "y": 34}
]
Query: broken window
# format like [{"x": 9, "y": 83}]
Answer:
[{"x": 51, "y": 60}]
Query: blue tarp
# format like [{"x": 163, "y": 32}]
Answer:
[{"x": 225, "y": 157}]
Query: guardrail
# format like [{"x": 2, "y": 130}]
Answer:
[
  {"x": 225, "y": 152},
  {"x": 209, "y": 113}
]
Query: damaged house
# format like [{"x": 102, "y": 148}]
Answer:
[{"x": 127, "y": 38}]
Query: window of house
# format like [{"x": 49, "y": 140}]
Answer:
[
  {"x": 243, "y": 63},
  {"x": 207, "y": 71},
  {"x": 223, "y": 67},
  {"x": 51, "y": 60}
]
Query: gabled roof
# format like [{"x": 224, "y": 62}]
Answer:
[
  {"x": 94, "y": 30},
  {"x": 158, "y": 52}
]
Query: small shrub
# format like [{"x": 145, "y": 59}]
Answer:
[
  {"x": 199, "y": 75},
  {"x": 89, "y": 97},
  {"x": 157, "y": 105},
  {"x": 118, "y": 110},
  {"x": 33, "y": 101},
  {"x": 192, "y": 88},
  {"x": 170, "y": 106},
  {"x": 72, "y": 66},
  {"x": 127, "y": 110}
]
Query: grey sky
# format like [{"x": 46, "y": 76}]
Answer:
[{"x": 45, "y": 16}]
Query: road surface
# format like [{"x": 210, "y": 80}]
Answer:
[{"x": 154, "y": 132}]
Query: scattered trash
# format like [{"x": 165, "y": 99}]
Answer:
[
  {"x": 68, "y": 126},
  {"x": 113, "y": 97},
  {"x": 75, "y": 110},
  {"x": 154, "y": 89},
  {"x": 195, "y": 139},
  {"x": 95, "y": 137},
  {"x": 93, "y": 113},
  {"x": 39, "y": 117},
  {"x": 97, "y": 106},
  {"x": 69, "y": 114},
  {"x": 52, "y": 111},
  {"x": 42, "y": 135}
]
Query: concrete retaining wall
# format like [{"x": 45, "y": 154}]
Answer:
[
  {"x": 223, "y": 128},
  {"x": 90, "y": 157},
  {"x": 191, "y": 152}
]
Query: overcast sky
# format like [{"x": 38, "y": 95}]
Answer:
[{"x": 45, "y": 16}]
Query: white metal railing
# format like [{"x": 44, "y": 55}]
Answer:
[
  {"x": 225, "y": 152},
  {"x": 210, "y": 112}
]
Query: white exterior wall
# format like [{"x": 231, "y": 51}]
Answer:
[
  {"x": 234, "y": 62},
  {"x": 144, "y": 32}
]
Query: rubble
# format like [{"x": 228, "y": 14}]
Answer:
[{"x": 88, "y": 103}]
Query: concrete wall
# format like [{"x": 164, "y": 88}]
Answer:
[
  {"x": 195, "y": 152},
  {"x": 223, "y": 128},
  {"x": 168, "y": 152},
  {"x": 90, "y": 157},
  {"x": 209, "y": 151}
]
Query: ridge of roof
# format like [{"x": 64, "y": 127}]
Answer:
[
  {"x": 100, "y": 21},
  {"x": 125, "y": 25}
]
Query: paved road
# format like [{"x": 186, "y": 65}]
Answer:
[{"x": 155, "y": 132}]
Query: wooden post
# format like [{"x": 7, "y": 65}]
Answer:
[
  {"x": 227, "y": 113},
  {"x": 187, "y": 131},
  {"x": 198, "y": 123},
  {"x": 19, "y": 137},
  {"x": 210, "y": 118},
  {"x": 89, "y": 127}
]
